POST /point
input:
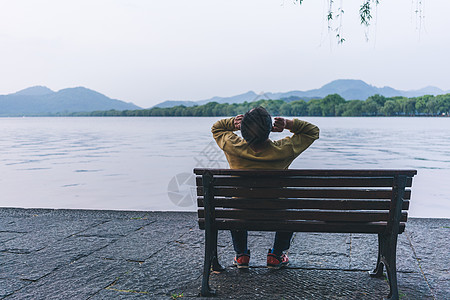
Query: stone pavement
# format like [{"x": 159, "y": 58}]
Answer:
[{"x": 80, "y": 254}]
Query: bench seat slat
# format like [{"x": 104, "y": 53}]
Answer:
[
  {"x": 335, "y": 204},
  {"x": 320, "y": 215},
  {"x": 309, "y": 172},
  {"x": 303, "y": 181},
  {"x": 302, "y": 193},
  {"x": 301, "y": 226}
]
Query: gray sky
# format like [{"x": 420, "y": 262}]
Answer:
[{"x": 148, "y": 51}]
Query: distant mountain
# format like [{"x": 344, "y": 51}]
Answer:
[
  {"x": 349, "y": 89},
  {"x": 38, "y": 90},
  {"x": 249, "y": 96},
  {"x": 39, "y": 100},
  {"x": 429, "y": 90},
  {"x": 172, "y": 103}
]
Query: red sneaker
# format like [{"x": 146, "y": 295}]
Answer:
[
  {"x": 241, "y": 260},
  {"x": 276, "y": 262}
]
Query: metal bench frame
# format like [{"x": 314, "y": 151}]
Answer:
[{"x": 349, "y": 208}]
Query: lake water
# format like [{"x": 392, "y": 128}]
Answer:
[{"x": 146, "y": 163}]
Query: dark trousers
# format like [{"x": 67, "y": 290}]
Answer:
[{"x": 282, "y": 241}]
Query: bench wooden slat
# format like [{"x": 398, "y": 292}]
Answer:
[
  {"x": 320, "y": 215},
  {"x": 336, "y": 204},
  {"x": 304, "y": 181},
  {"x": 301, "y": 226},
  {"x": 309, "y": 172},
  {"x": 263, "y": 193}
]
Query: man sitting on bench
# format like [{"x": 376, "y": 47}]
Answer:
[{"x": 257, "y": 151}]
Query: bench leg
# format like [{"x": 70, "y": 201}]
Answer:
[
  {"x": 209, "y": 257},
  {"x": 216, "y": 267},
  {"x": 391, "y": 265},
  {"x": 387, "y": 247},
  {"x": 378, "y": 272}
]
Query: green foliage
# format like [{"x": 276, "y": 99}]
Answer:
[
  {"x": 176, "y": 296},
  {"x": 335, "y": 14},
  {"x": 365, "y": 11},
  {"x": 329, "y": 103},
  {"x": 330, "y": 106},
  {"x": 390, "y": 108}
]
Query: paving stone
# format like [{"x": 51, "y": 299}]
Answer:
[
  {"x": 15, "y": 224},
  {"x": 99, "y": 214},
  {"x": 412, "y": 286},
  {"x": 39, "y": 264},
  {"x": 116, "y": 228},
  {"x": 79, "y": 280},
  {"x": 9, "y": 286},
  {"x": 139, "y": 246},
  {"x": 3, "y": 258},
  {"x": 45, "y": 232},
  {"x": 430, "y": 241},
  {"x": 185, "y": 218},
  {"x": 259, "y": 283},
  {"x": 364, "y": 253},
  {"x": 111, "y": 293},
  {"x": 142, "y": 244},
  {"x": 183, "y": 264},
  {"x": 25, "y": 266},
  {"x": 439, "y": 282},
  {"x": 175, "y": 266},
  {"x": 32, "y": 222},
  {"x": 7, "y": 236},
  {"x": 323, "y": 251},
  {"x": 406, "y": 260},
  {"x": 22, "y": 212},
  {"x": 431, "y": 245}
]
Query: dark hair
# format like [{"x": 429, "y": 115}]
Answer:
[{"x": 256, "y": 126}]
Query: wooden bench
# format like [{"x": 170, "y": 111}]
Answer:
[{"x": 346, "y": 201}]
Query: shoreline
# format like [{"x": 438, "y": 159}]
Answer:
[
  {"x": 221, "y": 116},
  {"x": 152, "y": 211}
]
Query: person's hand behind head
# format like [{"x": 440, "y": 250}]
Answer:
[
  {"x": 237, "y": 121},
  {"x": 279, "y": 124}
]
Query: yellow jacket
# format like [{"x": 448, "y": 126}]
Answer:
[{"x": 278, "y": 155}]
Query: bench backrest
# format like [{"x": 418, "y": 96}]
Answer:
[{"x": 364, "y": 201}]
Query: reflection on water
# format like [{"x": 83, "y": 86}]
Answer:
[{"x": 128, "y": 163}]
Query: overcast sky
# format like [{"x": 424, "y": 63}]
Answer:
[{"x": 146, "y": 52}]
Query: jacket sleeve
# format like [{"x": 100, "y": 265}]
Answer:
[
  {"x": 305, "y": 134},
  {"x": 222, "y": 131}
]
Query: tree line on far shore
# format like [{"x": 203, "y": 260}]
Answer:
[{"x": 331, "y": 105}]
